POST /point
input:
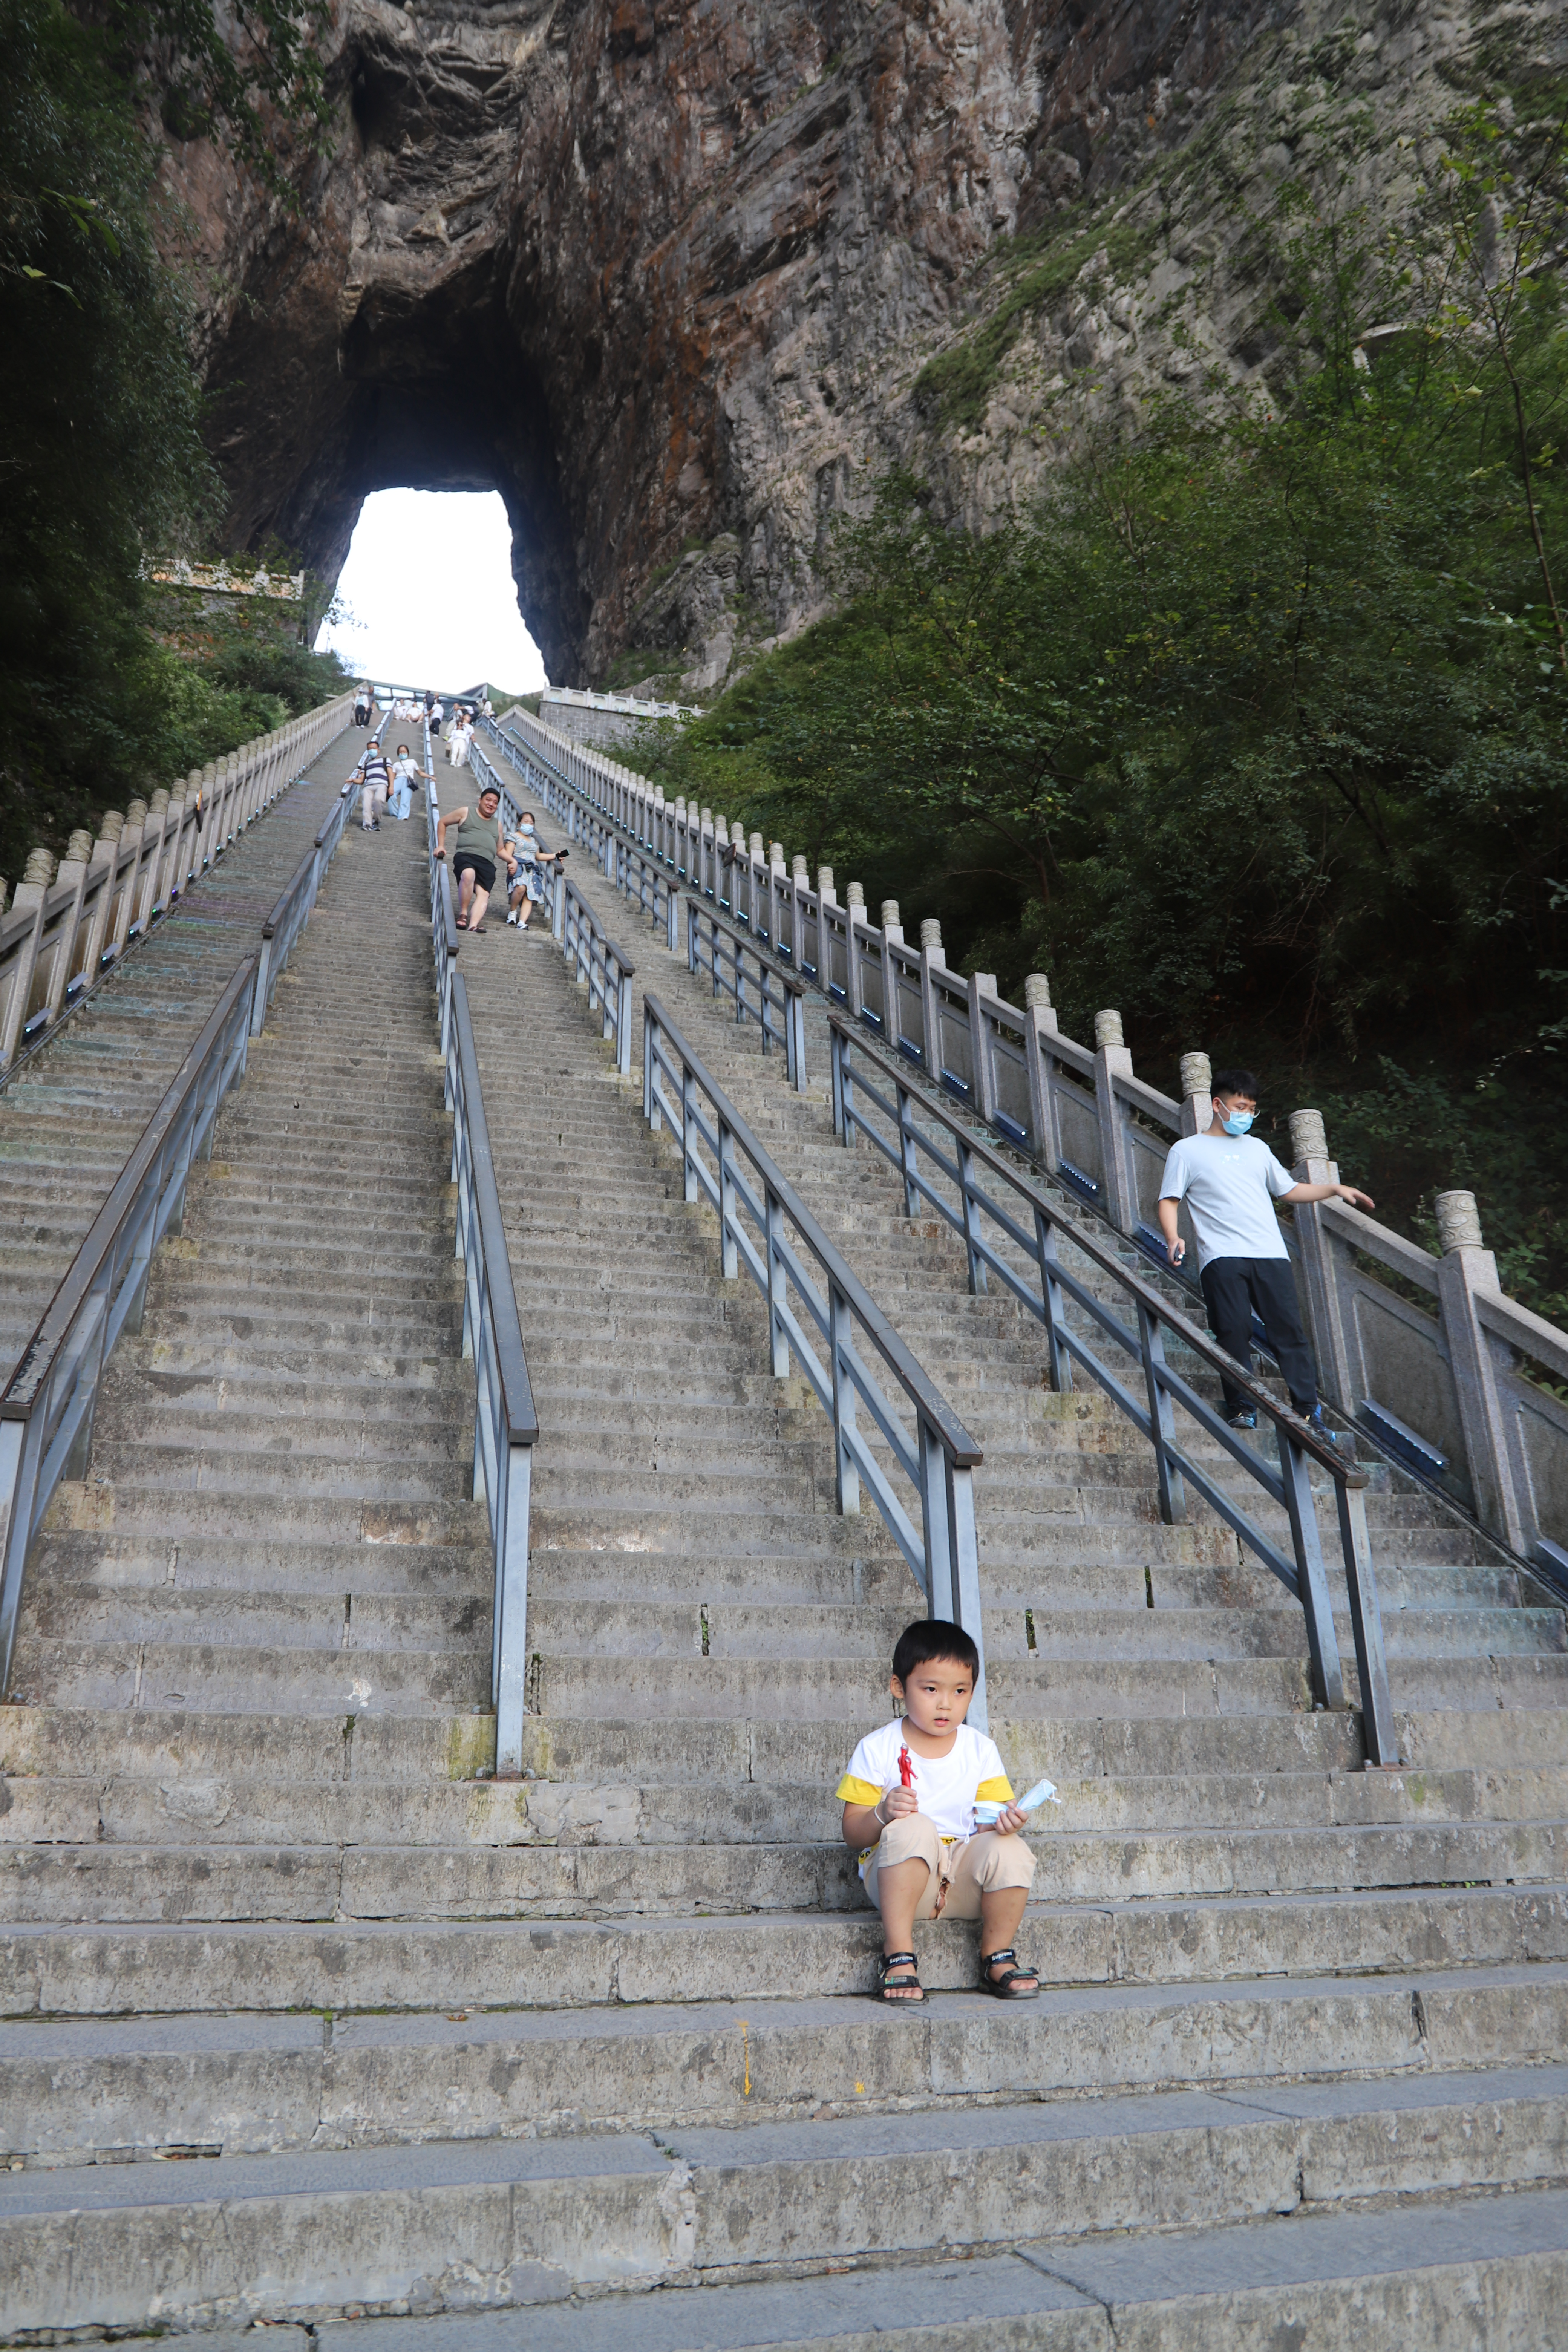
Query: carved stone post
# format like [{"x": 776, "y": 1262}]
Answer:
[
  {"x": 72, "y": 873},
  {"x": 1198, "y": 1094},
  {"x": 932, "y": 959},
  {"x": 1112, "y": 1061},
  {"x": 1465, "y": 1271},
  {"x": 982, "y": 1037},
  {"x": 854, "y": 923},
  {"x": 1039, "y": 1028},
  {"x": 1342, "y": 1376}
]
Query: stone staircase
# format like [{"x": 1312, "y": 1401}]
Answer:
[
  {"x": 437, "y": 2046},
  {"x": 71, "y": 1114}
]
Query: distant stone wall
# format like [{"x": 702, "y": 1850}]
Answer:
[{"x": 604, "y": 719}]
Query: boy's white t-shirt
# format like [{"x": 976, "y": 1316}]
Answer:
[
  {"x": 946, "y": 1786},
  {"x": 1230, "y": 1183}
]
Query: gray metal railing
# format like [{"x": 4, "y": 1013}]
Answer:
[
  {"x": 774, "y": 999},
  {"x": 594, "y": 958},
  {"x": 61, "y": 937},
  {"x": 506, "y": 1425},
  {"x": 47, "y": 1406},
  {"x": 294, "y": 906},
  {"x": 815, "y": 1302},
  {"x": 962, "y": 1184}
]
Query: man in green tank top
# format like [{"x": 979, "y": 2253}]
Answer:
[{"x": 476, "y": 853}]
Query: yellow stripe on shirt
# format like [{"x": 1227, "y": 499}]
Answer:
[
  {"x": 851, "y": 1792},
  {"x": 997, "y": 1792}
]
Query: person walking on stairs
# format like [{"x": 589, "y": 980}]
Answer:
[
  {"x": 404, "y": 769},
  {"x": 476, "y": 853},
  {"x": 374, "y": 778},
  {"x": 1231, "y": 1181},
  {"x": 908, "y": 1801},
  {"x": 527, "y": 882}
]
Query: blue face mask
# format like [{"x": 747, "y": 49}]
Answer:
[{"x": 1236, "y": 1122}]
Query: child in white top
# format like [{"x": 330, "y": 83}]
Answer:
[{"x": 909, "y": 1801}]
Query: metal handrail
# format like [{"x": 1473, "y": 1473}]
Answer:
[
  {"x": 594, "y": 958},
  {"x": 720, "y": 948},
  {"x": 1299, "y": 1445},
  {"x": 506, "y": 1424},
  {"x": 717, "y": 1149},
  {"x": 47, "y": 1406},
  {"x": 292, "y": 909}
]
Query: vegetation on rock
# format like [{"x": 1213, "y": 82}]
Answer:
[
  {"x": 103, "y": 458},
  {"x": 1258, "y": 729}
]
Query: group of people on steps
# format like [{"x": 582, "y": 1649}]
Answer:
[{"x": 480, "y": 846}]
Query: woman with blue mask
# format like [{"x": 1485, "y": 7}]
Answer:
[{"x": 1230, "y": 1181}]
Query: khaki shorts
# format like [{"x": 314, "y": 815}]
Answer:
[{"x": 967, "y": 1867}]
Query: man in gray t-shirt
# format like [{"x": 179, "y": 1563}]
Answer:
[{"x": 1231, "y": 1181}]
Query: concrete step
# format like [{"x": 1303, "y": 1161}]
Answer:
[
  {"x": 510, "y": 2222},
  {"x": 207, "y": 1678},
  {"x": 92, "y": 1971},
  {"x": 129, "y": 1809},
  {"x": 221, "y": 1882},
  {"x": 275, "y": 2083}
]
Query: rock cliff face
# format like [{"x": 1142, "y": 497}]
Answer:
[{"x": 678, "y": 276}]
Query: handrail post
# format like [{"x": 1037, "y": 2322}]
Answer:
[
  {"x": 1328, "y": 1682},
  {"x": 841, "y": 1332},
  {"x": 1058, "y": 1360},
  {"x": 795, "y": 1038},
  {"x": 778, "y": 1334},
  {"x": 1366, "y": 1627},
  {"x": 908, "y": 1151},
  {"x": 510, "y": 1662},
  {"x": 1162, "y": 1420},
  {"x": 964, "y": 1559},
  {"x": 972, "y": 1235},
  {"x": 838, "y": 1062},
  {"x": 623, "y": 1022},
  {"x": 728, "y": 1246}
]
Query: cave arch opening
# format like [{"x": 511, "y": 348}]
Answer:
[{"x": 429, "y": 596}]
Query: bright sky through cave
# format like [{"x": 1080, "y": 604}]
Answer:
[{"x": 429, "y": 588}]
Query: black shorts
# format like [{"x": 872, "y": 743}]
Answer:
[{"x": 483, "y": 870}]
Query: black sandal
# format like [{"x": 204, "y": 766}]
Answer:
[
  {"x": 1006, "y": 1987},
  {"x": 899, "y": 1998}
]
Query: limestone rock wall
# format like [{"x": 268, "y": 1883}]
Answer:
[{"x": 668, "y": 272}]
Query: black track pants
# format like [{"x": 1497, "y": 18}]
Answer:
[{"x": 1233, "y": 1288}]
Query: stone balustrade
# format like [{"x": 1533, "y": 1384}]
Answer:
[{"x": 68, "y": 922}]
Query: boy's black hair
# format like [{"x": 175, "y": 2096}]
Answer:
[
  {"x": 929, "y": 1639},
  {"x": 1236, "y": 1082}
]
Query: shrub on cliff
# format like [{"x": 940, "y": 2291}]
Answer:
[{"x": 1259, "y": 731}]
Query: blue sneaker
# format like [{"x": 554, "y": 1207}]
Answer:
[{"x": 1241, "y": 1421}]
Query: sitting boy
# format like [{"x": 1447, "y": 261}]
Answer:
[{"x": 910, "y": 1796}]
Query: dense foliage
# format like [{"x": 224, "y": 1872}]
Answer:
[
  {"x": 103, "y": 459},
  {"x": 1257, "y": 730}
]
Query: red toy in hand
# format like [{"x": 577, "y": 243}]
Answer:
[{"x": 906, "y": 1768}]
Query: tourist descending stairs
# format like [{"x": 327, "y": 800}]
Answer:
[{"x": 445, "y": 2043}]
